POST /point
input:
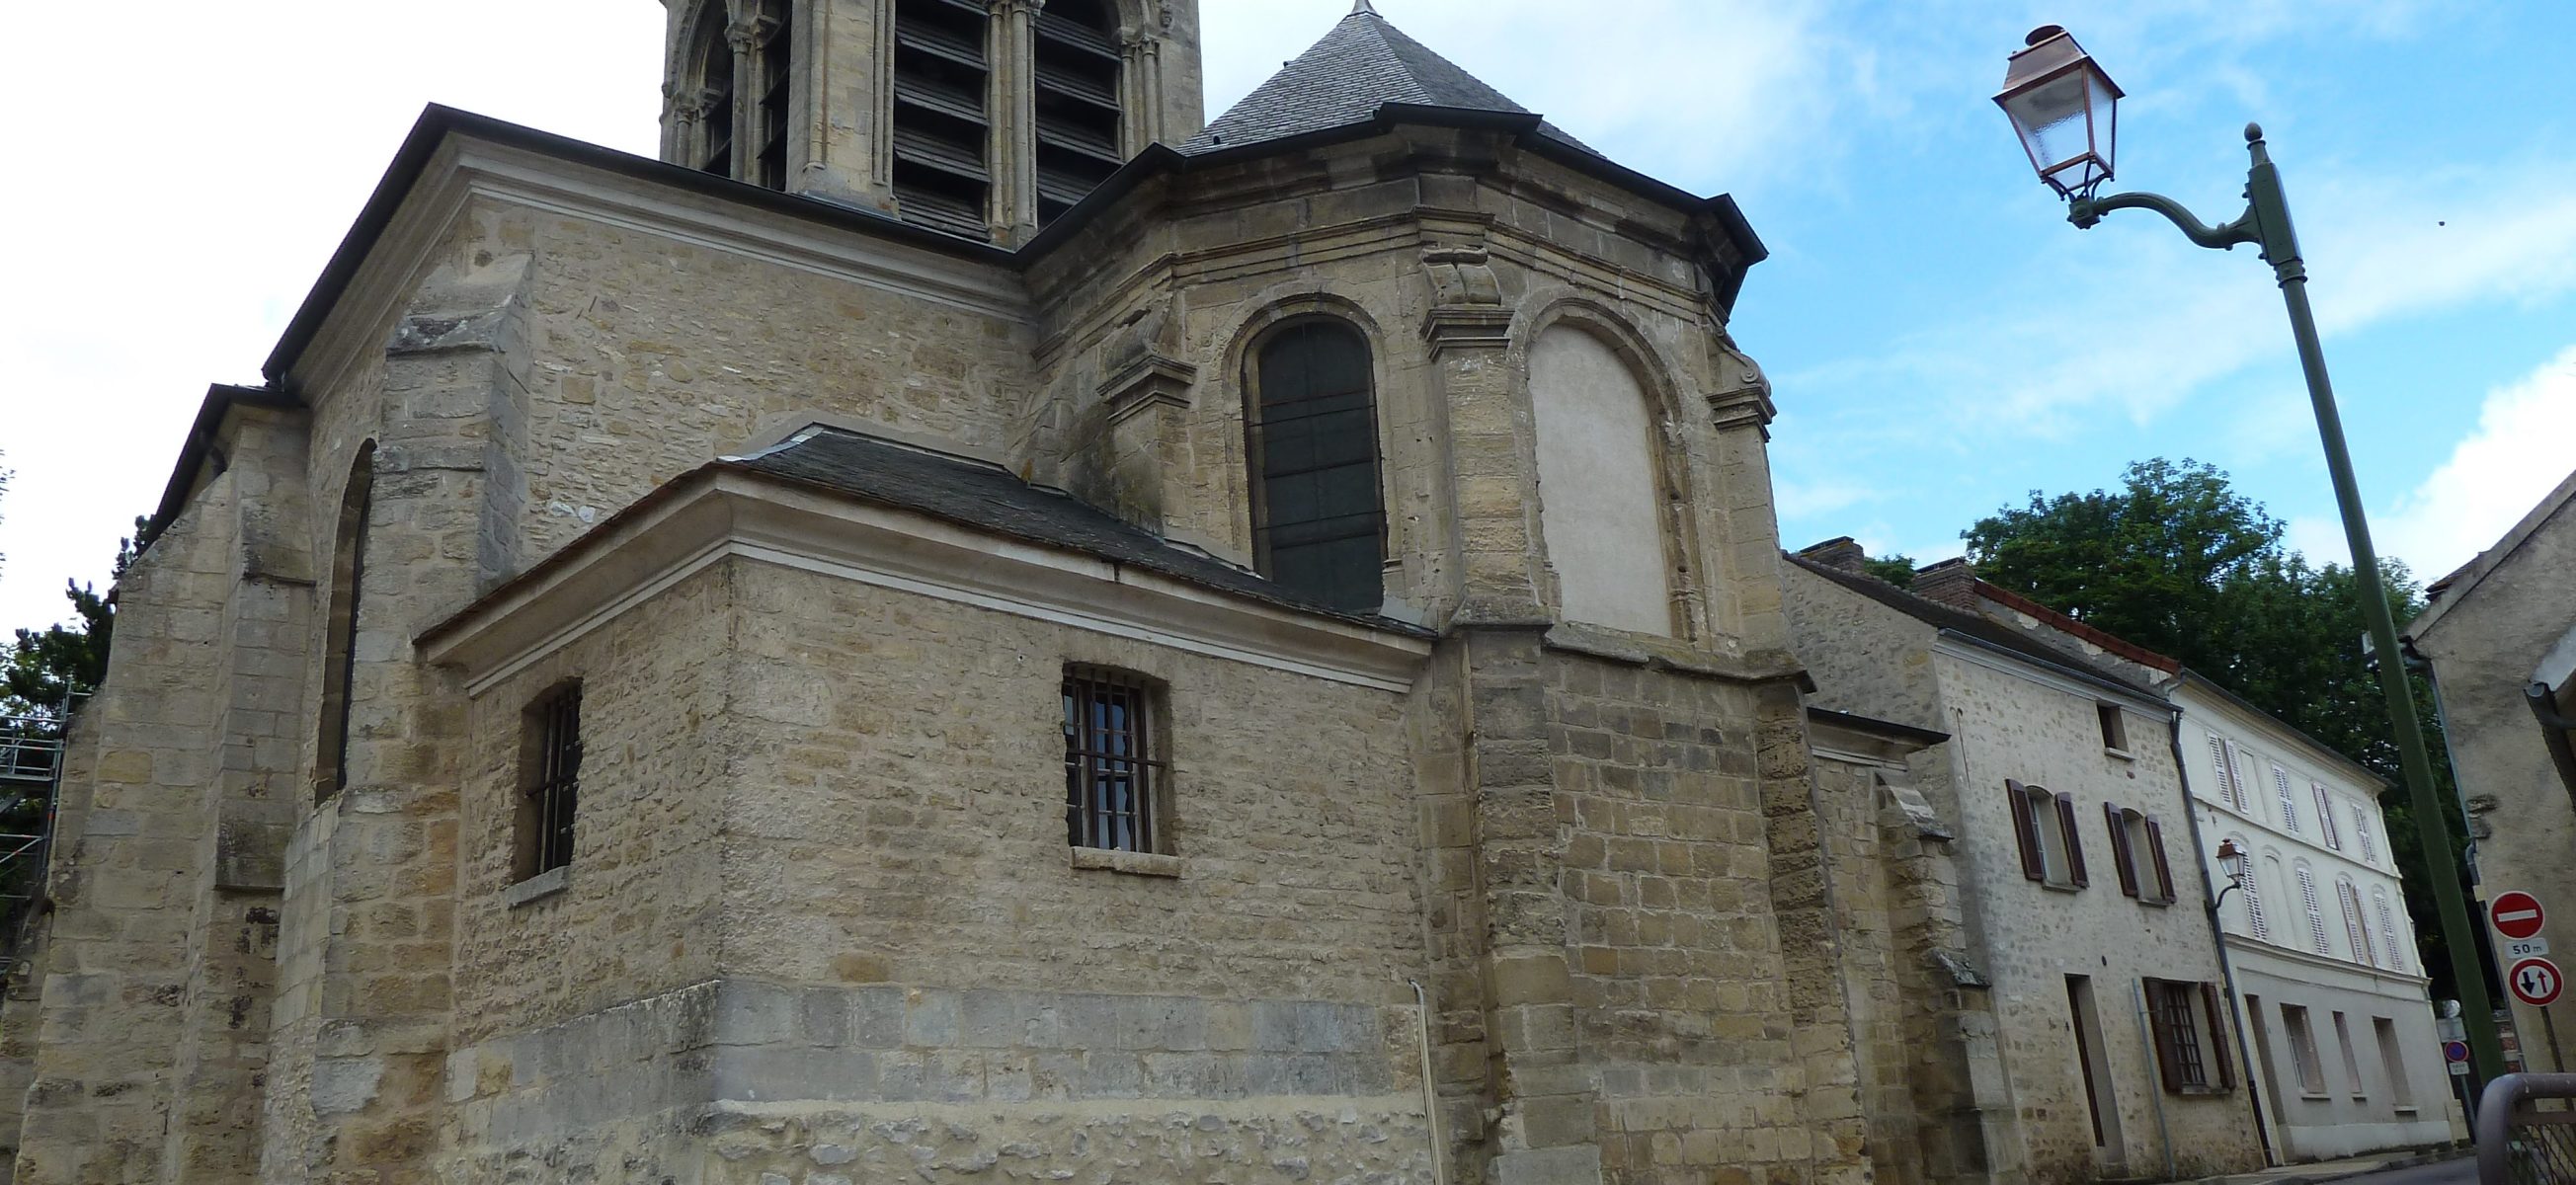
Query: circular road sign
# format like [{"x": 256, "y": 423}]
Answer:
[
  {"x": 2536, "y": 982},
  {"x": 2455, "y": 1051},
  {"x": 2516, "y": 914}
]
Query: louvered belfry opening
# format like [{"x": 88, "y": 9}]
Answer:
[
  {"x": 941, "y": 127},
  {"x": 770, "y": 167},
  {"x": 1077, "y": 103},
  {"x": 1318, "y": 521}
]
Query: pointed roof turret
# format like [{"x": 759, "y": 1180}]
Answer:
[{"x": 1363, "y": 64}]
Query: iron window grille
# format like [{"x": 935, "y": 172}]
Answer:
[
  {"x": 554, "y": 783},
  {"x": 1114, "y": 767}
]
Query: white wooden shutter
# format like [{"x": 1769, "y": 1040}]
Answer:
[
  {"x": 2228, "y": 791},
  {"x": 2289, "y": 802},
  {"x": 2257, "y": 924},
  {"x": 2316, "y": 910},
  {"x": 2326, "y": 829},
  {"x": 2355, "y": 930},
  {"x": 2361, "y": 832},
  {"x": 2392, "y": 955}
]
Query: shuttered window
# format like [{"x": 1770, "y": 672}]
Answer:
[
  {"x": 2355, "y": 926},
  {"x": 2289, "y": 802},
  {"x": 2044, "y": 824},
  {"x": 2222, "y": 762},
  {"x": 1318, "y": 523},
  {"x": 712, "y": 65},
  {"x": 2316, "y": 910},
  {"x": 2138, "y": 855},
  {"x": 772, "y": 117},
  {"x": 2326, "y": 827},
  {"x": 2257, "y": 922},
  {"x": 2361, "y": 812},
  {"x": 2303, "y": 1050},
  {"x": 2190, "y": 1036},
  {"x": 2391, "y": 954}
]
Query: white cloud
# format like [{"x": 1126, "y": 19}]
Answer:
[{"x": 2517, "y": 453}]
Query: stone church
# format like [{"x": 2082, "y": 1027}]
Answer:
[{"x": 968, "y": 624}]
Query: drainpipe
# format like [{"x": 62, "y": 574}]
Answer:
[
  {"x": 2226, "y": 966},
  {"x": 2155, "y": 1091},
  {"x": 1430, "y": 1090}
]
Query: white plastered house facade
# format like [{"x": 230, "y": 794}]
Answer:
[{"x": 2329, "y": 984}]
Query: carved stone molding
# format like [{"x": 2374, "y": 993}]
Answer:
[
  {"x": 1466, "y": 301},
  {"x": 1147, "y": 381},
  {"x": 1743, "y": 394}
]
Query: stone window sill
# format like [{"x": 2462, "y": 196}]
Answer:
[
  {"x": 2121, "y": 754},
  {"x": 2316, "y": 1098},
  {"x": 2403, "y": 1109},
  {"x": 2065, "y": 887},
  {"x": 1130, "y": 863},
  {"x": 537, "y": 888}
]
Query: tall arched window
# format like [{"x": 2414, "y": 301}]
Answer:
[
  {"x": 1598, "y": 486},
  {"x": 1318, "y": 524},
  {"x": 711, "y": 74},
  {"x": 742, "y": 77},
  {"x": 1077, "y": 102},
  {"x": 340, "y": 629},
  {"x": 942, "y": 177}
]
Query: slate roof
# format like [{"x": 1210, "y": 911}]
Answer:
[
  {"x": 1975, "y": 627},
  {"x": 988, "y": 497},
  {"x": 1363, "y": 64}
]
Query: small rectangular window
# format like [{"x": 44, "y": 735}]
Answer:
[
  {"x": 2392, "y": 1058},
  {"x": 550, "y": 781},
  {"x": 2115, "y": 730},
  {"x": 2303, "y": 1050},
  {"x": 1114, "y": 764},
  {"x": 2351, "y": 1060}
]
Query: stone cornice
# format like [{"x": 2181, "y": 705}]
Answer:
[{"x": 722, "y": 512}]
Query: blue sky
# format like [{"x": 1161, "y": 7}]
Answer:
[{"x": 1939, "y": 340}]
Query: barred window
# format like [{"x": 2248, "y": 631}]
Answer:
[
  {"x": 2191, "y": 1036},
  {"x": 550, "y": 781},
  {"x": 1114, "y": 764}
]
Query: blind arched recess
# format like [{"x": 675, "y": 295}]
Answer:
[{"x": 1318, "y": 520}]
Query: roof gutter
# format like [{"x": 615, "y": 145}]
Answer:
[{"x": 2076, "y": 673}]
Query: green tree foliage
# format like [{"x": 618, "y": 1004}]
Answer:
[
  {"x": 1894, "y": 569},
  {"x": 2179, "y": 562}
]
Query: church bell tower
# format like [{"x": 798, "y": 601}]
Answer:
[{"x": 982, "y": 118}]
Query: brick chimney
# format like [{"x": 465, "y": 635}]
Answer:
[
  {"x": 1839, "y": 552},
  {"x": 1951, "y": 582}
]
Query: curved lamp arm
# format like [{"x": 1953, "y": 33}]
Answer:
[{"x": 2084, "y": 212}]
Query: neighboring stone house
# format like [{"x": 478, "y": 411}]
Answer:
[
  {"x": 2501, "y": 638},
  {"x": 961, "y": 625},
  {"x": 2072, "y": 842},
  {"x": 2332, "y": 991}
]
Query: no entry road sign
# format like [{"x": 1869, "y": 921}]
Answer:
[
  {"x": 2516, "y": 914},
  {"x": 2536, "y": 982}
]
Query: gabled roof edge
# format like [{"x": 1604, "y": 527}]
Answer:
[{"x": 2457, "y": 586}]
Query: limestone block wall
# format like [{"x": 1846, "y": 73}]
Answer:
[
  {"x": 153, "y": 982},
  {"x": 822, "y": 916}
]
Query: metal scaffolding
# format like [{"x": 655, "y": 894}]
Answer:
[{"x": 31, "y": 778}]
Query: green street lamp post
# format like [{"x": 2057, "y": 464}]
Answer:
[{"x": 2064, "y": 108}]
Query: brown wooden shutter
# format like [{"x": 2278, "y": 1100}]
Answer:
[
  {"x": 2074, "y": 841},
  {"x": 2026, "y": 829},
  {"x": 2168, "y": 1063},
  {"x": 2121, "y": 860},
  {"x": 2219, "y": 1037},
  {"x": 2164, "y": 871}
]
